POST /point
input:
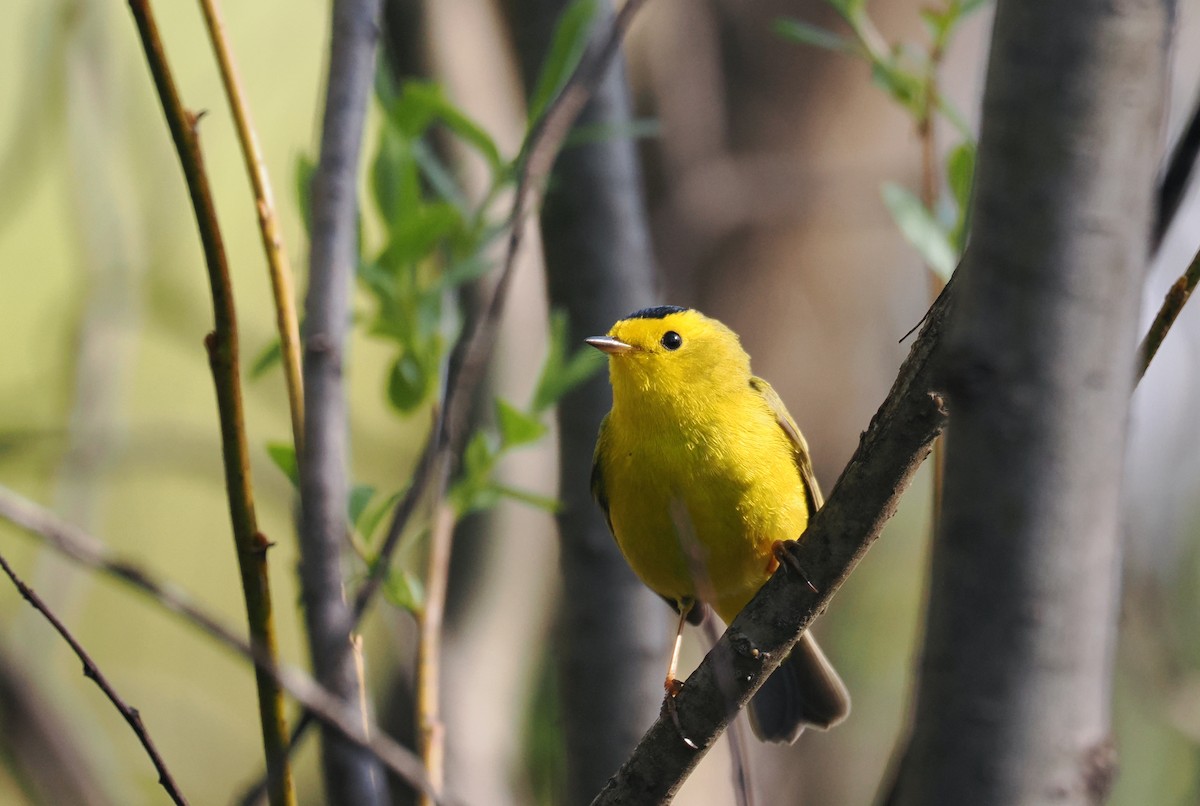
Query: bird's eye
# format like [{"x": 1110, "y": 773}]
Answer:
[{"x": 672, "y": 340}]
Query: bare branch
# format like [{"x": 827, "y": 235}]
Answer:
[
  {"x": 222, "y": 345},
  {"x": 1177, "y": 296},
  {"x": 93, "y": 673},
  {"x": 86, "y": 550},
  {"x": 279, "y": 266}
]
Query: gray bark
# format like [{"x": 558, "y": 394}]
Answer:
[
  {"x": 612, "y": 650},
  {"x": 1013, "y": 703},
  {"x": 351, "y": 774}
]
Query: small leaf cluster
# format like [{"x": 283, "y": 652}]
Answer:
[
  {"x": 434, "y": 239},
  {"x": 908, "y": 74}
]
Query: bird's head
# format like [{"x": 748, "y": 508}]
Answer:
[{"x": 666, "y": 353}]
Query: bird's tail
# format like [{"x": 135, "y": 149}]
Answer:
[{"x": 805, "y": 690}]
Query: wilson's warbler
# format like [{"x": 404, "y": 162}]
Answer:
[{"x": 701, "y": 471}]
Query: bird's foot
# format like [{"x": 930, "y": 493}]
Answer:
[{"x": 673, "y": 686}]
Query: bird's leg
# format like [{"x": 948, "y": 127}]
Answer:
[
  {"x": 784, "y": 552},
  {"x": 673, "y": 685}
]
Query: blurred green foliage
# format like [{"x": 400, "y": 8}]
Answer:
[
  {"x": 433, "y": 241},
  {"x": 907, "y": 73}
]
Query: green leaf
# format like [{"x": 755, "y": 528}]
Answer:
[
  {"x": 479, "y": 499},
  {"x": 566, "y": 49},
  {"x": 551, "y": 505},
  {"x": 360, "y": 497},
  {"x": 806, "y": 34},
  {"x": 478, "y": 458},
  {"x": 920, "y": 228},
  {"x": 906, "y": 88},
  {"x": 306, "y": 166},
  {"x": 386, "y": 91},
  {"x": 559, "y": 373},
  {"x": 408, "y": 382},
  {"x": 418, "y": 232},
  {"x": 960, "y": 175},
  {"x": 440, "y": 178},
  {"x": 465, "y": 270},
  {"x": 517, "y": 427},
  {"x": 950, "y": 112},
  {"x": 404, "y": 590},
  {"x": 271, "y": 355},
  {"x": 422, "y": 103},
  {"x": 395, "y": 182},
  {"x": 283, "y": 454},
  {"x": 369, "y": 522},
  {"x": 960, "y": 172},
  {"x": 852, "y": 11},
  {"x": 641, "y": 129}
]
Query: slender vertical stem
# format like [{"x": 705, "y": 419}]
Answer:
[
  {"x": 278, "y": 264},
  {"x": 222, "y": 345},
  {"x": 429, "y": 719},
  {"x": 930, "y": 183},
  {"x": 352, "y": 776}
]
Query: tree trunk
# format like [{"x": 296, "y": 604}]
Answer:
[{"x": 1013, "y": 704}]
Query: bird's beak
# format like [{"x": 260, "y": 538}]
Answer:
[{"x": 607, "y": 345}]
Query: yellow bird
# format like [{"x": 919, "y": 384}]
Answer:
[{"x": 700, "y": 471}]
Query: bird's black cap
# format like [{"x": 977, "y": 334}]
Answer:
[{"x": 660, "y": 312}]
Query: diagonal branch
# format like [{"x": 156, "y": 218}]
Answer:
[
  {"x": 83, "y": 548},
  {"x": 222, "y": 345},
  {"x": 1177, "y": 296},
  {"x": 93, "y": 673},
  {"x": 864, "y": 498}
]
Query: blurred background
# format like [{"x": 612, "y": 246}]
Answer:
[{"x": 763, "y": 170}]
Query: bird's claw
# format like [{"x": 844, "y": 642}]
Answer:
[
  {"x": 673, "y": 687},
  {"x": 785, "y": 554}
]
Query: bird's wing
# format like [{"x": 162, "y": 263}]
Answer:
[
  {"x": 598, "y": 490},
  {"x": 696, "y": 610},
  {"x": 799, "y": 445}
]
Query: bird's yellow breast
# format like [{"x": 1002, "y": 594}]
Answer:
[{"x": 698, "y": 496}]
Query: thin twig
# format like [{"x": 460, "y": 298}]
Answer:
[
  {"x": 278, "y": 265},
  {"x": 93, "y": 673},
  {"x": 222, "y": 344},
  {"x": 86, "y": 550},
  {"x": 429, "y": 653},
  {"x": 930, "y": 183},
  {"x": 1176, "y": 298}
]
